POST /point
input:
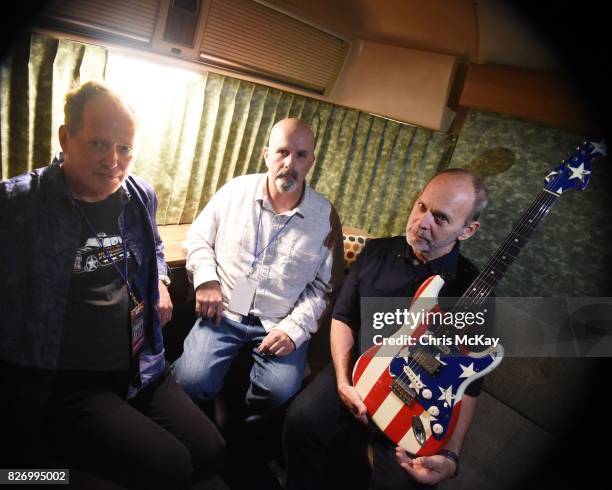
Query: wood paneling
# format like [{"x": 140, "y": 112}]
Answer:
[
  {"x": 533, "y": 95},
  {"x": 173, "y": 237}
]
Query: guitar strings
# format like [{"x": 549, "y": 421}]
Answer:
[
  {"x": 543, "y": 202},
  {"x": 482, "y": 287},
  {"x": 480, "y": 290},
  {"x": 483, "y": 281}
]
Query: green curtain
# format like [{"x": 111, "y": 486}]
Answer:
[
  {"x": 33, "y": 82},
  {"x": 569, "y": 254},
  {"x": 210, "y": 128}
]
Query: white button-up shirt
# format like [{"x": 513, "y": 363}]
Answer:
[{"x": 293, "y": 273}]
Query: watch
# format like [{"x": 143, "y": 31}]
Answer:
[
  {"x": 453, "y": 457},
  {"x": 165, "y": 279}
]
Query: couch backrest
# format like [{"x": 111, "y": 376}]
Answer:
[{"x": 354, "y": 239}]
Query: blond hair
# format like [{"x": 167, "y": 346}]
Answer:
[{"x": 75, "y": 100}]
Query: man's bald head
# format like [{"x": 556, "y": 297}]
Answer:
[
  {"x": 289, "y": 155},
  {"x": 294, "y": 126},
  {"x": 481, "y": 195},
  {"x": 445, "y": 212}
]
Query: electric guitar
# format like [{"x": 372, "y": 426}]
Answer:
[{"x": 413, "y": 393}]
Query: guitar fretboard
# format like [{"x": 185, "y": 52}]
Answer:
[
  {"x": 572, "y": 173},
  {"x": 500, "y": 262}
]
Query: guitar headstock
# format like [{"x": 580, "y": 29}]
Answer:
[{"x": 575, "y": 171}]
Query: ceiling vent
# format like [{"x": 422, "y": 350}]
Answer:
[
  {"x": 130, "y": 22},
  {"x": 243, "y": 36},
  {"x": 253, "y": 38}
]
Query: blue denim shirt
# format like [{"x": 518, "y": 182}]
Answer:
[{"x": 40, "y": 230}]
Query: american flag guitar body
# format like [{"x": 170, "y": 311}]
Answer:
[{"x": 413, "y": 393}]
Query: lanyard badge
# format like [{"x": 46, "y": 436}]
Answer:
[
  {"x": 137, "y": 323},
  {"x": 242, "y": 295},
  {"x": 245, "y": 287}
]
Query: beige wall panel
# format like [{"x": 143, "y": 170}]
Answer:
[{"x": 404, "y": 84}]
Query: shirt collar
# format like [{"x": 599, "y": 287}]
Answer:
[
  {"x": 261, "y": 196},
  {"x": 446, "y": 266},
  {"x": 304, "y": 204},
  {"x": 57, "y": 181},
  {"x": 260, "y": 193}
]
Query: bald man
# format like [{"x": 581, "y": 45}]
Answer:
[
  {"x": 445, "y": 214},
  {"x": 261, "y": 255}
]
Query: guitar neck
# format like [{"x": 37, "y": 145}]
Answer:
[{"x": 500, "y": 262}]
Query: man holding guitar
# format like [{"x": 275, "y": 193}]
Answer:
[{"x": 445, "y": 213}]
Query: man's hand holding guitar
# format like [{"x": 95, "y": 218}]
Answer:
[
  {"x": 352, "y": 401},
  {"x": 430, "y": 470}
]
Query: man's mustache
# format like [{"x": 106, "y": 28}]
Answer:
[{"x": 291, "y": 173}]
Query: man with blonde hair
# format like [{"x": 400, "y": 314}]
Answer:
[{"x": 82, "y": 304}]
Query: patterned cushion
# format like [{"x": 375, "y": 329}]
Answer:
[{"x": 354, "y": 240}]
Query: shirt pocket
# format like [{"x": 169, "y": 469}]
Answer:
[{"x": 301, "y": 264}]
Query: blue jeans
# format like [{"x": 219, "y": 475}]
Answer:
[{"x": 208, "y": 353}]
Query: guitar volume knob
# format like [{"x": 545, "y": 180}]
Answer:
[
  {"x": 433, "y": 410},
  {"x": 426, "y": 393},
  {"x": 437, "y": 429}
]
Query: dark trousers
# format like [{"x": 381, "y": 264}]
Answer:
[
  {"x": 158, "y": 440},
  {"x": 318, "y": 426}
]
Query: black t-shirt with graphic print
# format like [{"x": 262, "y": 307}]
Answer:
[{"x": 97, "y": 331}]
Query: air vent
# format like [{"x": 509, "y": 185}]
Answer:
[
  {"x": 254, "y": 39},
  {"x": 243, "y": 36},
  {"x": 181, "y": 22},
  {"x": 132, "y": 22}
]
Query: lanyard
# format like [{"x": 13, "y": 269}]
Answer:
[
  {"x": 257, "y": 254},
  {"x": 123, "y": 275}
]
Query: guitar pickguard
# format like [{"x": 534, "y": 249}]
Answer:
[
  {"x": 416, "y": 404},
  {"x": 438, "y": 390}
]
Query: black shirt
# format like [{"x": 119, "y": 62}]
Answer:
[
  {"x": 387, "y": 267},
  {"x": 96, "y": 335}
]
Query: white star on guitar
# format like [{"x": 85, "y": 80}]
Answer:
[{"x": 579, "y": 172}]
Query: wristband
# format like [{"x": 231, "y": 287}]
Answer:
[{"x": 453, "y": 457}]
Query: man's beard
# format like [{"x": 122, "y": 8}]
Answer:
[{"x": 286, "y": 184}]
